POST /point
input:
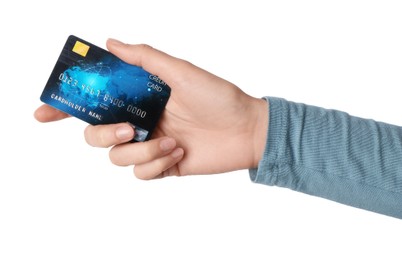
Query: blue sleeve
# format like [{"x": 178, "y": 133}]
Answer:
[{"x": 333, "y": 155}]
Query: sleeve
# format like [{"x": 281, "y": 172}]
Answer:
[{"x": 330, "y": 154}]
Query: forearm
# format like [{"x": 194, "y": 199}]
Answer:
[{"x": 333, "y": 155}]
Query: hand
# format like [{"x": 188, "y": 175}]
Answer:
[{"x": 209, "y": 125}]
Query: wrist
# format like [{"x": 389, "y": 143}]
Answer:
[{"x": 260, "y": 133}]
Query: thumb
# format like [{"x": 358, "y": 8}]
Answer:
[{"x": 152, "y": 60}]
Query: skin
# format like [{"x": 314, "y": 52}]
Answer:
[{"x": 209, "y": 125}]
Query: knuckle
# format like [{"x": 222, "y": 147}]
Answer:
[
  {"x": 148, "y": 153},
  {"x": 140, "y": 174},
  {"x": 112, "y": 156},
  {"x": 96, "y": 136},
  {"x": 102, "y": 138},
  {"x": 116, "y": 158},
  {"x": 160, "y": 166},
  {"x": 88, "y": 134},
  {"x": 144, "y": 47}
]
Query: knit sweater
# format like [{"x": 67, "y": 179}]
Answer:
[{"x": 333, "y": 155}]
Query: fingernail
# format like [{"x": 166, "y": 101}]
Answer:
[
  {"x": 114, "y": 41},
  {"x": 177, "y": 153},
  {"x": 124, "y": 133},
  {"x": 167, "y": 144}
]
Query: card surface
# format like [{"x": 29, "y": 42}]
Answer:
[{"x": 93, "y": 85}]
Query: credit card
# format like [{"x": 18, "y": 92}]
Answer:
[{"x": 94, "y": 85}]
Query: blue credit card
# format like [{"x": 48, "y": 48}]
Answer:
[{"x": 94, "y": 85}]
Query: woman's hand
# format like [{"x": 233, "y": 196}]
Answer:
[{"x": 209, "y": 125}]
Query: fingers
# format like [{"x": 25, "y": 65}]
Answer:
[
  {"x": 151, "y": 159},
  {"x": 161, "y": 167},
  {"x": 108, "y": 135},
  {"x": 46, "y": 113},
  {"x": 139, "y": 153}
]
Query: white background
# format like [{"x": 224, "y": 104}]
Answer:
[{"x": 61, "y": 199}]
